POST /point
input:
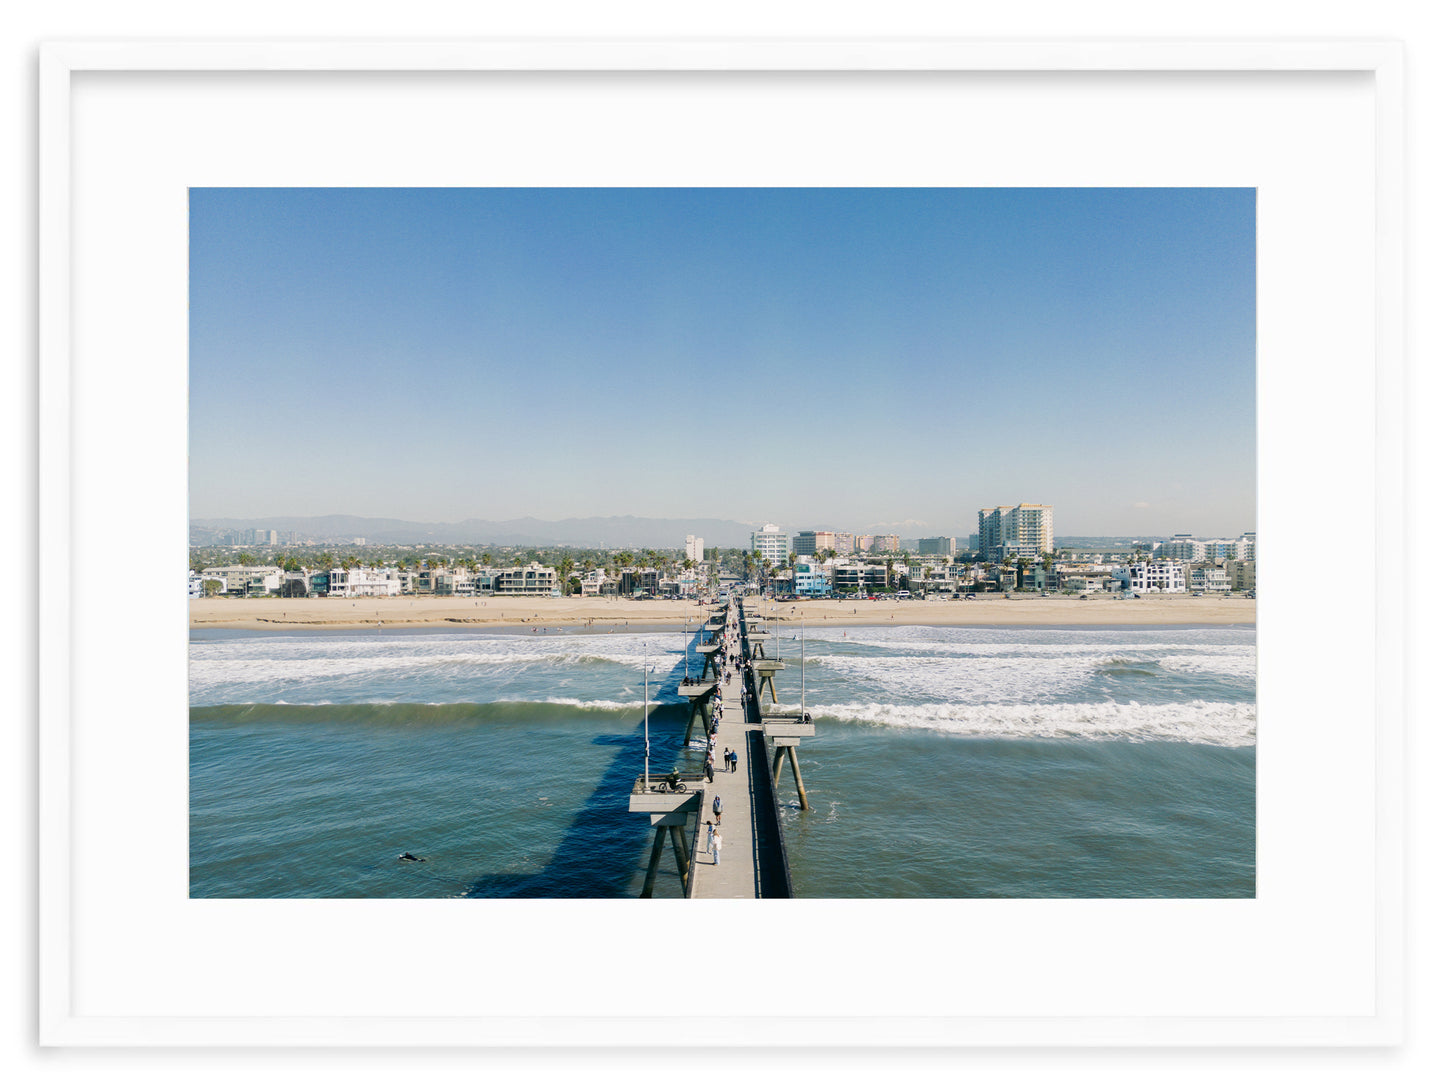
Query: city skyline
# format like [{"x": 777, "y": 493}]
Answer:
[{"x": 877, "y": 360}]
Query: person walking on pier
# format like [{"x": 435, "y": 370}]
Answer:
[
  {"x": 717, "y": 844},
  {"x": 717, "y": 808}
]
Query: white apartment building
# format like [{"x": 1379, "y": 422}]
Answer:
[
  {"x": 1182, "y": 548},
  {"x": 771, "y": 542},
  {"x": 1220, "y": 550},
  {"x": 1026, "y": 529},
  {"x": 364, "y": 581},
  {"x": 1154, "y": 577},
  {"x": 693, "y": 548}
]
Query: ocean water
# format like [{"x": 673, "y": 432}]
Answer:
[{"x": 948, "y": 762}]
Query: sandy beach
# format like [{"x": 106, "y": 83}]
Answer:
[{"x": 610, "y": 612}]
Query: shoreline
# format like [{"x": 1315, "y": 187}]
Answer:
[{"x": 576, "y": 612}]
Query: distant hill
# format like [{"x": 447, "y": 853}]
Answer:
[{"x": 525, "y": 532}]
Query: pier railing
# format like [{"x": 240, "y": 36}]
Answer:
[
  {"x": 656, "y": 784},
  {"x": 774, "y": 877}
]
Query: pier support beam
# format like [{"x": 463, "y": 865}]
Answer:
[
  {"x": 790, "y": 746},
  {"x": 679, "y": 852},
  {"x": 657, "y": 842},
  {"x": 798, "y": 776},
  {"x": 696, "y": 711}
]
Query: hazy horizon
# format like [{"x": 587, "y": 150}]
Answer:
[{"x": 873, "y": 360}]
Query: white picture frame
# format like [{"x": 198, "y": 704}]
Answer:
[{"x": 104, "y": 105}]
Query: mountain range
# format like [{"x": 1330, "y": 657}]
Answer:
[{"x": 523, "y": 532}]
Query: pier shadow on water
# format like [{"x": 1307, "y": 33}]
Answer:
[{"x": 602, "y": 853}]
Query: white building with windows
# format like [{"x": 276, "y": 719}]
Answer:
[
  {"x": 1181, "y": 548},
  {"x": 770, "y": 541},
  {"x": 1153, "y": 577},
  {"x": 1026, "y": 529},
  {"x": 693, "y": 548},
  {"x": 364, "y": 581}
]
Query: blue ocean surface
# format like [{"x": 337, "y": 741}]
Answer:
[{"x": 948, "y": 762}]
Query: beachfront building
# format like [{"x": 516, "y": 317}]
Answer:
[
  {"x": 771, "y": 542},
  {"x": 532, "y": 579},
  {"x": 693, "y": 548},
  {"x": 930, "y": 576},
  {"x": 683, "y": 584},
  {"x": 363, "y": 581},
  {"x": 463, "y": 582},
  {"x": 595, "y": 583},
  {"x": 1026, "y": 529},
  {"x": 884, "y": 544},
  {"x": 946, "y": 545},
  {"x": 1245, "y": 550},
  {"x": 864, "y": 577},
  {"x": 641, "y": 582},
  {"x": 810, "y": 578},
  {"x": 245, "y": 580},
  {"x": 1208, "y": 579},
  {"x": 1240, "y": 576},
  {"x": 1152, "y": 577},
  {"x": 197, "y": 587}
]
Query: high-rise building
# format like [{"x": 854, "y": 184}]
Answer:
[
  {"x": 771, "y": 542},
  {"x": 693, "y": 548},
  {"x": 806, "y": 544},
  {"x": 941, "y": 544},
  {"x": 1026, "y": 529}
]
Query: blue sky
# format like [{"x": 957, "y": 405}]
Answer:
[{"x": 847, "y": 358}]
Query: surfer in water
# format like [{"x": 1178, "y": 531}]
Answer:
[{"x": 407, "y": 857}]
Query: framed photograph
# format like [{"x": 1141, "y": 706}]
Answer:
[{"x": 1133, "y": 836}]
